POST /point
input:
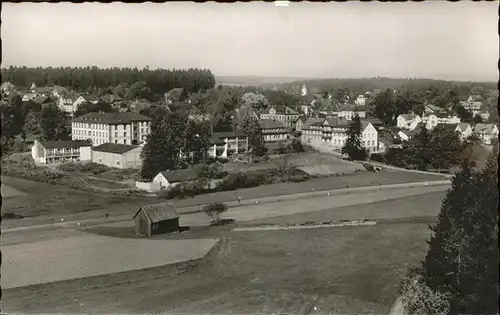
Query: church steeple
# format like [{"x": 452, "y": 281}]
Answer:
[{"x": 304, "y": 89}]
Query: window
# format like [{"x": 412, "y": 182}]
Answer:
[
  {"x": 118, "y": 163},
  {"x": 116, "y": 134},
  {"x": 124, "y": 133},
  {"x": 116, "y": 141}
]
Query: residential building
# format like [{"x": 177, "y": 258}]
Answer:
[
  {"x": 156, "y": 219},
  {"x": 59, "y": 91},
  {"x": 117, "y": 155},
  {"x": 86, "y": 98},
  {"x": 273, "y": 130},
  {"x": 348, "y": 111},
  {"x": 334, "y": 132},
  {"x": 360, "y": 100},
  {"x": 170, "y": 179},
  {"x": 124, "y": 128},
  {"x": 486, "y": 132},
  {"x": 114, "y": 100},
  {"x": 49, "y": 152},
  {"x": 174, "y": 95},
  {"x": 42, "y": 100},
  {"x": 66, "y": 103},
  {"x": 408, "y": 121},
  {"x": 224, "y": 144},
  {"x": 377, "y": 123},
  {"x": 431, "y": 121},
  {"x": 288, "y": 116},
  {"x": 473, "y": 104},
  {"x": 28, "y": 96},
  {"x": 300, "y": 122},
  {"x": 433, "y": 109},
  {"x": 463, "y": 129}
]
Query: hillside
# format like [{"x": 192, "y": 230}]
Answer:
[{"x": 254, "y": 80}]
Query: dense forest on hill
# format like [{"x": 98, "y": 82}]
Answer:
[{"x": 92, "y": 78}]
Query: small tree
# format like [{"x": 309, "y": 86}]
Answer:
[
  {"x": 353, "y": 146},
  {"x": 214, "y": 210}
]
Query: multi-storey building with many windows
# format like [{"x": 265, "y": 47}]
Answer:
[
  {"x": 49, "y": 152},
  {"x": 125, "y": 128}
]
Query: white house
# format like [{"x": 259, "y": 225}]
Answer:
[
  {"x": 432, "y": 121},
  {"x": 463, "y": 129},
  {"x": 486, "y": 132},
  {"x": 408, "y": 121},
  {"x": 169, "y": 179},
  {"x": 224, "y": 144},
  {"x": 348, "y": 111},
  {"x": 334, "y": 132},
  {"x": 66, "y": 103},
  {"x": 49, "y": 152},
  {"x": 473, "y": 104},
  {"x": 360, "y": 100},
  {"x": 117, "y": 155}
]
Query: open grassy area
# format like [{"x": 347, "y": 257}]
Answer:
[
  {"x": 336, "y": 270},
  {"x": 56, "y": 200},
  {"x": 310, "y": 162}
]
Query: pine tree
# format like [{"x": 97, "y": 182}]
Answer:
[
  {"x": 353, "y": 146},
  {"x": 250, "y": 127}
]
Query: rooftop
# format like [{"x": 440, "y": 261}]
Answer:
[
  {"x": 180, "y": 175},
  {"x": 270, "y": 124},
  {"x": 159, "y": 212},
  {"x": 116, "y": 148},
  {"x": 112, "y": 118},
  {"x": 65, "y": 144}
]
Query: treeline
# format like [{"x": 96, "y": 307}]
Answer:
[
  {"x": 89, "y": 78},
  {"x": 369, "y": 84}
]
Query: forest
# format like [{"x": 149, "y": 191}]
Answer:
[{"x": 96, "y": 80}]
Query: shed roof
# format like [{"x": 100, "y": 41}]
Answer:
[
  {"x": 117, "y": 148},
  {"x": 180, "y": 175},
  {"x": 158, "y": 212}
]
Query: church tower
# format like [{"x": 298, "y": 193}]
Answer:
[{"x": 304, "y": 89}]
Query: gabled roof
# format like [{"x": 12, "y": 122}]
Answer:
[
  {"x": 373, "y": 121},
  {"x": 174, "y": 94},
  {"x": 180, "y": 175},
  {"x": 348, "y": 108},
  {"x": 270, "y": 124},
  {"x": 41, "y": 100},
  {"x": 408, "y": 116},
  {"x": 112, "y": 118},
  {"x": 111, "y": 98},
  {"x": 336, "y": 122},
  {"x": 463, "y": 126},
  {"x": 116, "y": 148},
  {"x": 65, "y": 144},
  {"x": 433, "y": 107},
  {"x": 484, "y": 128},
  {"x": 44, "y": 89},
  {"x": 158, "y": 212},
  {"x": 90, "y": 98},
  {"x": 313, "y": 121}
]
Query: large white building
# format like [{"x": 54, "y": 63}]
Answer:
[
  {"x": 431, "y": 121},
  {"x": 49, "y": 152},
  {"x": 408, "y": 121},
  {"x": 288, "y": 116},
  {"x": 125, "y": 128},
  {"x": 334, "y": 132}
]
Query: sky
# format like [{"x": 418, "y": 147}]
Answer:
[{"x": 431, "y": 39}]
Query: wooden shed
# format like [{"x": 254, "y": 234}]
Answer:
[{"x": 156, "y": 219}]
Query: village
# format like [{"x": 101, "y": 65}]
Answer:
[{"x": 148, "y": 167}]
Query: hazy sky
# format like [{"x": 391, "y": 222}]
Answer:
[{"x": 430, "y": 39}]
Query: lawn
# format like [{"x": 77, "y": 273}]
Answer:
[
  {"x": 310, "y": 162},
  {"x": 336, "y": 270},
  {"x": 57, "y": 200}
]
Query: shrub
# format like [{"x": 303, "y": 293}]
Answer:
[
  {"x": 212, "y": 171},
  {"x": 87, "y": 168},
  {"x": 377, "y": 157},
  {"x": 214, "y": 210},
  {"x": 419, "y": 299},
  {"x": 11, "y": 216},
  {"x": 37, "y": 174}
]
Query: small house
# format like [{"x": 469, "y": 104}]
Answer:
[
  {"x": 155, "y": 219},
  {"x": 117, "y": 155},
  {"x": 408, "y": 121},
  {"x": 168, "y": 179}
]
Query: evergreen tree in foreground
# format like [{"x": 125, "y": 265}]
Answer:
[
  {"x": 353, "y": 146},
  {"x": 461, "y": 266}
]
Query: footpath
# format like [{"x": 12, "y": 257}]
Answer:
[{"x": 234, "y": 204}]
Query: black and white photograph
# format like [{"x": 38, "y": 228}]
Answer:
[{"x": 285, "y": 157}]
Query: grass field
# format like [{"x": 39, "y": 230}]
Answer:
[
  {"x": 313, "y": 163},
  {"x": 336, "y": 270},
  {"x": 45, "y": 199}
]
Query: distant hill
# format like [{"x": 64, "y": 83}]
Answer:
[
  {"x": 369, "y": 84},
  {"x": 254, "y": 80}
]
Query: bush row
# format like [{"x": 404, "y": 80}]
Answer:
[
  {"x": 37, "y": 174},
  {"x": 235, "y": 181},
  {"x": 87, "y": 168}
]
